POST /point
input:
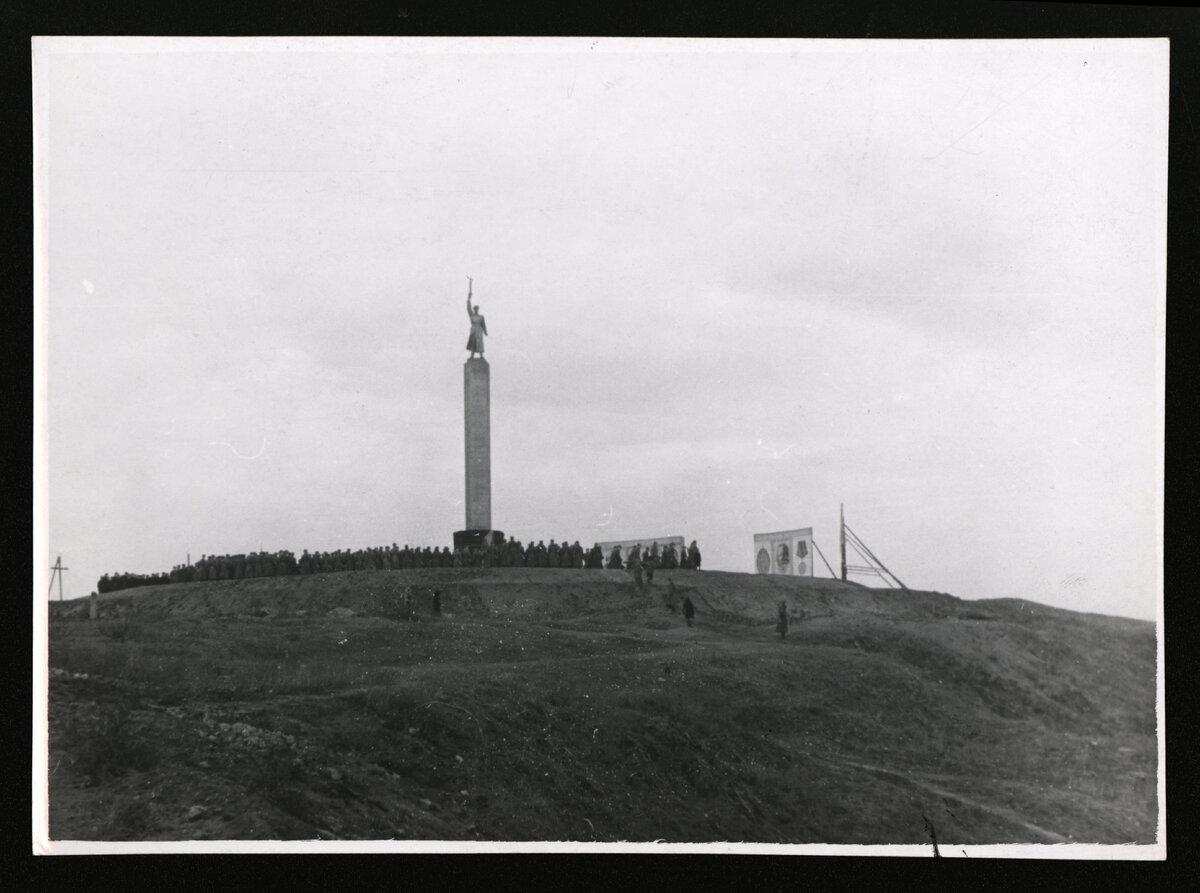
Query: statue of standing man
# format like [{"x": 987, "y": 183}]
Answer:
[{"x": 478, "y": 326}]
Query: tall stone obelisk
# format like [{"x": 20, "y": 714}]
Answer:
[{"x": 477, "y": 429}]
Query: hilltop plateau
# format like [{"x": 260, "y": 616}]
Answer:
[{"x": 554, "y": 704}]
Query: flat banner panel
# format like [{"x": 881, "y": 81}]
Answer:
[
  {"x": 646, "y": 543},
  {"x": 784, "y": 552}
]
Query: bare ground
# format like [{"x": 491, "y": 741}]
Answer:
[{"x": 564, "y": 705}]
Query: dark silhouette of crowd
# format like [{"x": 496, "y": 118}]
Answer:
[
  {"x": 508, "y": 553},
  {"x": 114, "y": 582},
  {"x": 687, "y": 558}
]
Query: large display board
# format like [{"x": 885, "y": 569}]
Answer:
[
  {"x": 784, "y": 552},
  {"x": 646, "y": 543}
]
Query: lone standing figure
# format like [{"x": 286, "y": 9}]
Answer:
[
  {"x": 634, "y": 566},
  {"x": 478, "y": 325}
]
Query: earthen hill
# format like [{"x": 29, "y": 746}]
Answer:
[{"x": 552, "y": 704}]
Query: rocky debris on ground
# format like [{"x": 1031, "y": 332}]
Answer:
[
  {"x": 61, "y": 674},
  {"x": 241, "y": 734}
]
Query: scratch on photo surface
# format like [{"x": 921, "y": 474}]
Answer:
[
  {"x": 261, "y": 449},
  {"x": 1001, "y": 104},
  {"x": 775, "y": 454},
  {"x": 763, "y": 507}
]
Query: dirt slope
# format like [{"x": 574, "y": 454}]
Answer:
[{"x": 549, "y": 704}]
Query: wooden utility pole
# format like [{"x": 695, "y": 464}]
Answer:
[
  {"x": 842, "y": 536},
  {"x": 56, "y": 570}
]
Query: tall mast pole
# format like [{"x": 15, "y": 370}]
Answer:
[
  {"x": 56, "y": 570},
  {"x": 842, "y": 536}
]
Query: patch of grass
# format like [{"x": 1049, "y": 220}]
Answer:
[
  {"x": 131, "y": 820},
  {"x": 292, "y": 800},
  {"x": 445, "y": 725},
  {"x": 275, "y": 775},
  {"x": 106, "y": 743},
  {"x": 172, "y": 680},
  {"x": 120, "y": 629},
  {"x": 390, "y": 703}
]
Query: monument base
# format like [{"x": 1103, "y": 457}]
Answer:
[{"x": 476, "y": 538}]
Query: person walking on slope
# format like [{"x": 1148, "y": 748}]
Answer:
[
  {"x": 634, "y": 566},
  {"x": 781, "y": 626},
  {"x": 689, "y": 610}
]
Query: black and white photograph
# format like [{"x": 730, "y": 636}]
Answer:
[{"x": 599, "y": 445}]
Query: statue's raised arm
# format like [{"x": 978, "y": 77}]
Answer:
[{"x": 478, "y": 326}]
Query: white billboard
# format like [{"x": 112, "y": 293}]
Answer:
[
  {"x": 647, "y": 543},
  {"x": 785, "y": 552}
]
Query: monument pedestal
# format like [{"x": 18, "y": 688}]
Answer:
[{"x": 476, "y": 538}]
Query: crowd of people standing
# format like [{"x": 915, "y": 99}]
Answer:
[
  {"x": 687, "y": 558},
  {"x": 115, "y": 582},
  {"x": 509, "y": 553}
]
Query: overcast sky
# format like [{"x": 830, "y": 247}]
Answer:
[{"x": 728, "y": 285}]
